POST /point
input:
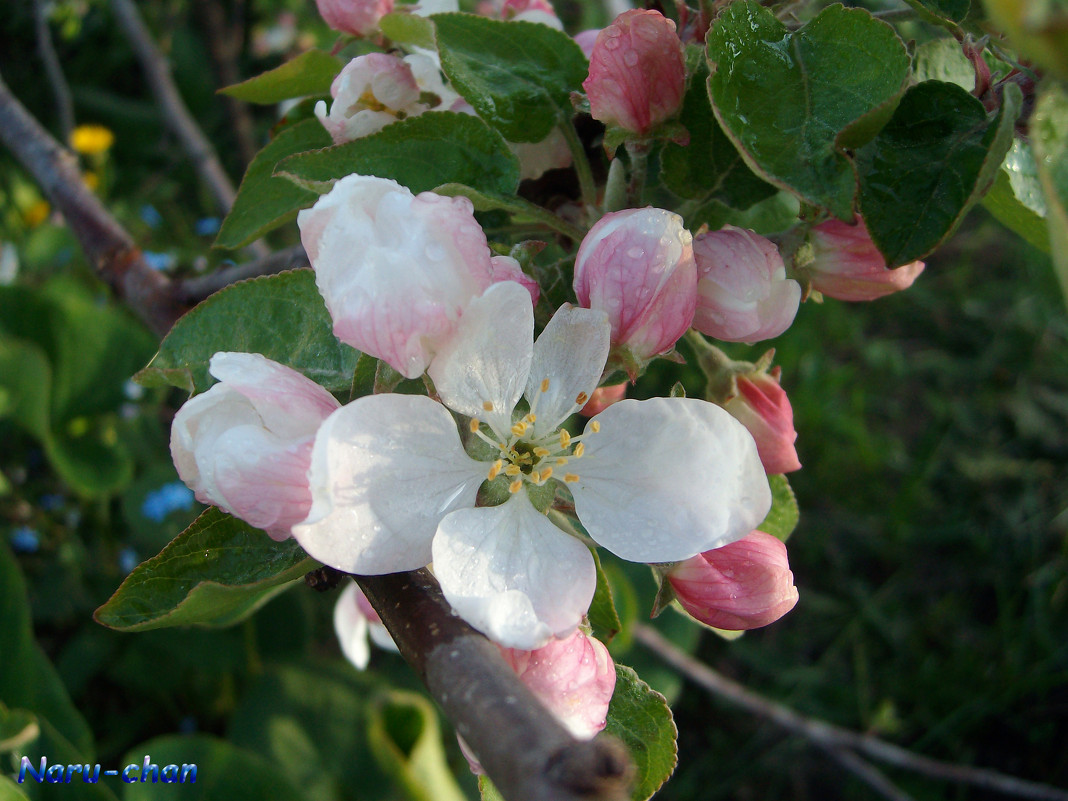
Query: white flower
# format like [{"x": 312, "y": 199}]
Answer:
[
  {"x": 653, "y": 481},
  {"x": 354, "y": 621}
]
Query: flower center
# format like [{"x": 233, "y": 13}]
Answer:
[{"x": 527, "y": 457}]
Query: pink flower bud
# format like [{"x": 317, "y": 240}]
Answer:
[
  {"x": 762, "y": 407},
  {"x": 376, "y": 89},
  {"x": 358, "y": 17},
  {"x": 848, "y": 266},
  {"x": 245, "y": 444},
  {"x": 602, "y": 398},
  {"x": 574, "y": 678},
  {"x": 637, "y": 72},
  {"x": 585, "y": 40},
  {"x": 637, "y": 266},
  {"x": 743, "y": 294},
  {"x": 396, "y": 270},
  {"x": 740, "y": 586},
  {"x": 505, "y": 268}
]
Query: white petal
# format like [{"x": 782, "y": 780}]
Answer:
[
  {"x": 513, "y": 575},
  {"x": 351, "y": 628},
  {"x": 668, "y": 478},
  {"x": 385, "y": 469},
  {"x": 571, "y": 353},
  {"x": 487, "y": 360}
]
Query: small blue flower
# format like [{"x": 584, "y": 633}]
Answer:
[
  {"x": 206, "y": 226},
  {"x": 25, "y": 540},
  {"x": 169, "y": 498},
  {"x": 50, "y": 502},
  {"x": 128, "y": 560},
  {"x": 151, "y": 217},
  {"x": 159, "y": 261}
]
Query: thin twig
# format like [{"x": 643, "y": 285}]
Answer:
[
  {"x": 828, "y": 736},
  {"x": 110, "y": 250},
  {"x": 523, "y": 748},
  {"x": 193, "y": 290},
  {"x": 46, "y": 49},
  {"x": 868, "y": 773}
]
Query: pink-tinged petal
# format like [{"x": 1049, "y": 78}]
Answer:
[
  {"x": 395, "y": 271},
  {"x": 350, "y": 626},
  {"x": 505, "y": 268},
  {"x": 762, "y": 406},
  {"x": 667, "y": 478},
  {"x": 848, "y": 266},
  {"x": 481, "y": 371},
  {"x": 637, "y": 266},
  {"x": 569, "y": 357},
  {"x": 512, "y": 574},
  {"x": 602, "y": 398},
  {"x": 743, "y": 294},
  {"x": 637, "y": 72},
  {"x": 358, "y": 17},
  {"x": 586, "y": 39},
  {"x": 743, "y": 585},
  {"x": 385, "y": 470},
  {"x": 537, "y": 158}
]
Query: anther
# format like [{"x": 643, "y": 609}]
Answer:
[
  {"x": 579, "y": 450},
  {"x": 545, "y": 475},
  {"x": 565, "y": 438},
  {"x": 562, "y": 460},
  {"x": 581, "y": 398},
  {"x": 473, "y": 425},
  {"x": 487, "y": 405},
  {"x": 519, "y": 429},
  {"x": 545, "y": 385},
  {"x": 515, "y": 486},
  {"x": 494, "y": 470},
  {"x": 530, "y": 418},
  {"x": 541, "y": 453},
  {"x": 512, "y": 470},
  {"x": 570, "y": 478},
  {"x": 595, "y": 426}
]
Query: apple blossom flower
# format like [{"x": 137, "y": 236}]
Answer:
[
  {"x": 354, "y": 621},
  {"x": 244, "y": 445},
  {"x": 762, "y": 407},
  {"x": 743, "y": 294},
  {"x": 637, "y": 72},
  {"x": 743, "y": 585},
  {"x": 846, "y": 264},
  {"x": 376, "y": 89},
  {"x": 585, "y": 40},
  {"x": 652, "y": 481},
  {"x": 358, "y": 17},
  {"x": 396, "y": 270},
  {"x": 574, "y": 678},
  {"x": 540, "y": 11},
  {"x": 637, "y": 265}
]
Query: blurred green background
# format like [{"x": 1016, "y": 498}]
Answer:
[{"x": 930, "y": 558}]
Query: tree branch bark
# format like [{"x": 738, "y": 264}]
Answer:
[
  {"x": 110, "y": 250},
  {"x": 194, "y": 290},
  {"x": 527, "y": 753},
  {"x": 56, "y": 79}
]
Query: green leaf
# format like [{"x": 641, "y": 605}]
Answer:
[
  {"x": 1049, "y": 134},
  {"x": 310, "y": 73},
  {"x": 932, "y": 162},
  {"x": 641, "y": 718},
  {"x": 265, "y": 201},
  {"x": 604, "y": 619},
  {"x": 9, "y": 791},
  {"x": 943, "y": 60},
  {"x": 26, "y": 377},
  {"x": 487, "y": 791},
  {"x": 522, "y": 210},
  {"x": 281, "y": 316},
  {"x": 214, "y": 573},
  {"x": 18, "y": 728},
  {"x": 793, "y": 102},
  {"x": 938, "y": 11},
  {"x": 438, "y": 147},
  {"x": 27, "y": 679},
  {"x": 409, "y": 29},
  {"x": 224, "y": 772},
  {"x": 1016, "y": 198},
  {"x": 406, "y": 741},
  {"x": 519, "y": 76},
  {"x": 784, "y": 513},
  {"x": 710, "y": 166}
]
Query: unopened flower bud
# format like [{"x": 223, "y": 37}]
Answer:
[
  {"x": 245, "y": 444},
  {"x": 743, "y": 294},
  {"x": 637, "y": 72},
  {"x": 505, "y": 268},
  {"x": 358, "y": 17},
  {"x": 602, "y": 398},
  {"x": 762, "y": 407},
  {"x": 740, "y": 586},
  {"x": 637, "y": 266},
  {"x": 846, "y": 264}
]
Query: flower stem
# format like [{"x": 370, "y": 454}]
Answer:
[
  {"x": 582, "y": 166},
  {"x": 639, "y": 162}
]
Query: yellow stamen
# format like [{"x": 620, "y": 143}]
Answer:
[
  {"x": 487, "y": 406},
  {"x": 541, "y": 453},
  {"x": 565, "y": 438},
  {"x": 473, "y": 425},
  {"x": 515, "y": 486},
  {"x": 373, "y": 103},
  {"x": 545, "y": 385},
  {"x": 579, "y": 450},
  {"x": 495, "y": 470},
  {"x": 512, "y": 470},
  {"x": 530, "y": 418},
  {"x": 562, "y": 460},
  {"x": 519, "y": 429},
  {"x": 570, "y": 478},
  {"x": 581, "y": 398},
  {"x": 545, "y": 475},
  {"x": 595, "y": 426}
]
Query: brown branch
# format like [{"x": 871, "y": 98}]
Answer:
[
  {"x": 108, "y": 247},
  {"x": 194, "y": 290},
  {"x": 47, "y": 51},
  {"x": 828, "y": 736},
  {"x": 523, "y": 748}
]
